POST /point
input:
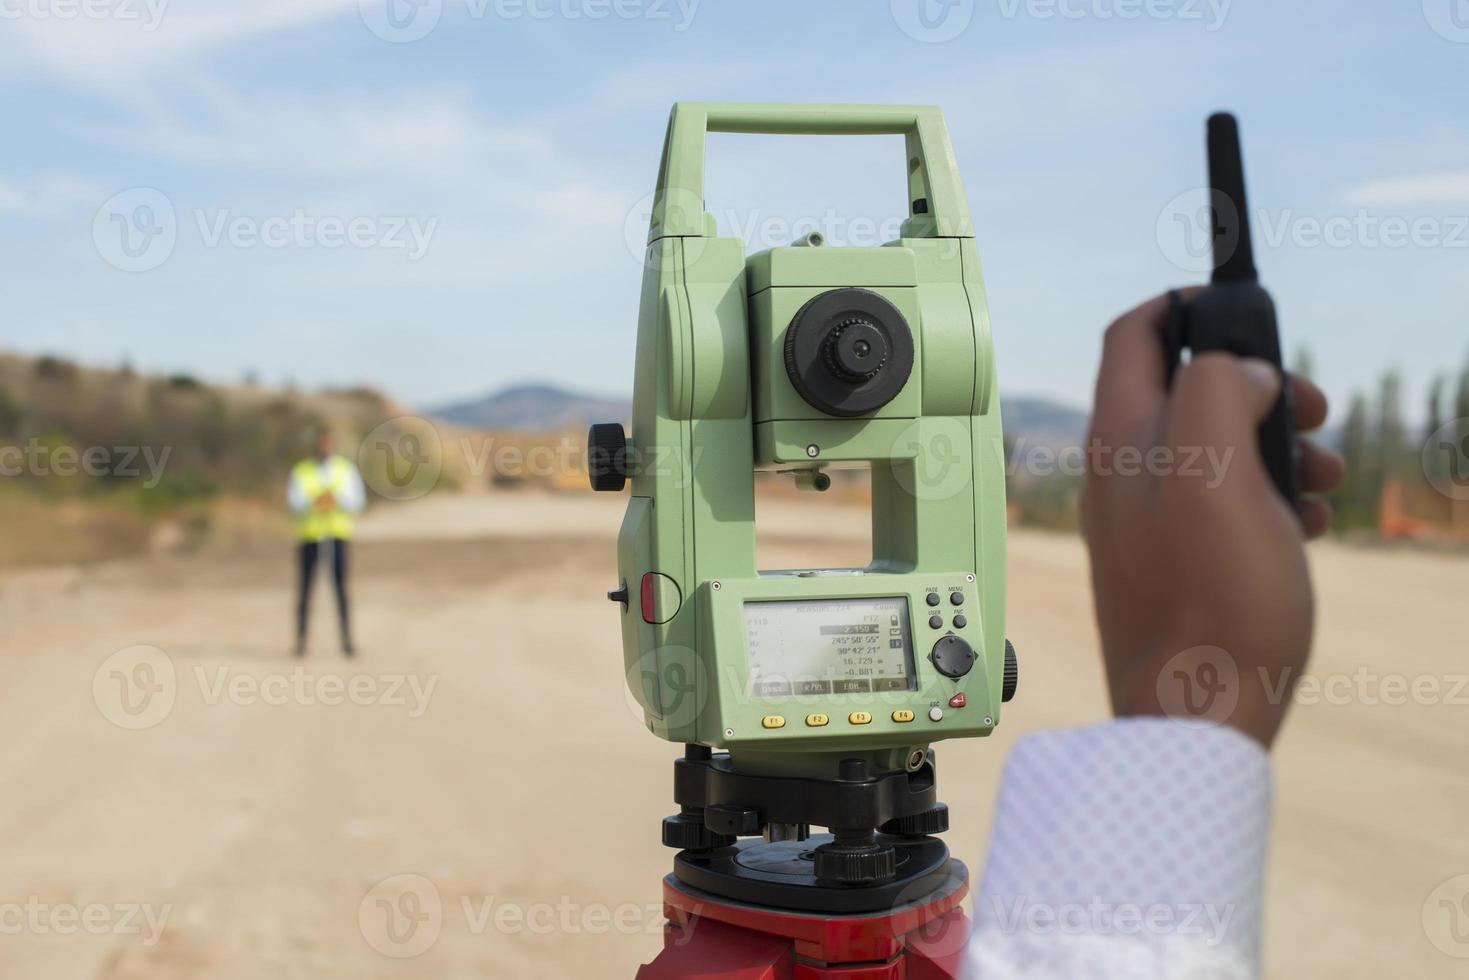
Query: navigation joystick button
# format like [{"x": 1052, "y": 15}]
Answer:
[{"x": 952, "y": 656}]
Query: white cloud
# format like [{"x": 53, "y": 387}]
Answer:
[
  {"x": 138, "y": 37},
  {"x": 1421, "y": 190},
  {"x": 49, "y": 195}
]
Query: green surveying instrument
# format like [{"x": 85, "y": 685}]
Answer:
[{"x": 823, "y": 687}]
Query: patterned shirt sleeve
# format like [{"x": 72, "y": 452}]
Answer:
[{"x": 1135, "y": 849}]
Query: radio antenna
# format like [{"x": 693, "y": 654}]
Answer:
[{"x": 1234, "y": 253}]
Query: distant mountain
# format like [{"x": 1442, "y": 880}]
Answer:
[
  {"x": 542, "y": 407},
  {"x": 1044, "y": 422},
  {"x": 535, "y": 408}
]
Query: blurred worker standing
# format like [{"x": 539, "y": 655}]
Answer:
[{"x": 325, "y": 496}]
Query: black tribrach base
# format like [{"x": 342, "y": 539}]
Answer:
[
  {"x": 782, "y": 874},
  {"x": 878, "y": 851}
]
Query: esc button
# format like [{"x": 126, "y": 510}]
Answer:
[
  {"x": 860, "y": 717},
  {"x": 772, "y": 721},
  {"x": 817, "y": 721},
  {"x": 903, "y": 714}
]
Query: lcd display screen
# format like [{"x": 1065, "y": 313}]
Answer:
[{"x": 828, "y": 646}]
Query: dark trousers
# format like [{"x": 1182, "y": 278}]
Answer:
[{"x": 308, "y": 554}]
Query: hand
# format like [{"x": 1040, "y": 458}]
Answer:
[
  {"x": 1202, "y": 591},
  {"x": 326, "y": 501}
]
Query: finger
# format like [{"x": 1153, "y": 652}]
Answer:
[
  {"x": 1131, "y": 384},
  {"x": 1315, "y": 517},
  {"x": 1322, "y": 470},
  {"x": 1310, "y": 402},
  {"x": 1220, "y": 400}
]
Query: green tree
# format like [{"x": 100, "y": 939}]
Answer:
[
  {"x": 1358, "y": 494},
  {"x": 1391, "y": 433},
  {"x": 11, "y": 414},
  {"x": 1461, "y": 397},
  {"x": 1305, "y": 363}
]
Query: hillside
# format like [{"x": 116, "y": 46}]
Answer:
[
  {"x": 549, "y": 408},
  {"x": 534, "y": 408},
  {"x": 104, "y": 462}
]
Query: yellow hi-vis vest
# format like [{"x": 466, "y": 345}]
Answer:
[{"x": 315, "y": 524}]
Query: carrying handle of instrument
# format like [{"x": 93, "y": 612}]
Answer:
[{"x": 934, "y": 188}]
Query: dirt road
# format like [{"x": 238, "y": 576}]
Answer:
[{"x": 206, "y": 806}]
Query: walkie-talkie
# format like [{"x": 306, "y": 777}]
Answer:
[{"x": 1234, "y": 312}]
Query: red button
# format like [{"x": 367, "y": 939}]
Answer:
[
  {"x": 649, "y": 597},
  {"x": 958, "y": 700}
]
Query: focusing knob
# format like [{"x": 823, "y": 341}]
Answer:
[
  {"x": 1012, "y": 673},
  {"x": 607, "y": 456},
  {"x": 848, "y": 352},
  {"x": 856, "y": 350},
  {"x": 952, "y": 656}
]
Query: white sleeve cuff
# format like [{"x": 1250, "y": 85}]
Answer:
[{"x": 1133, "y": 849}]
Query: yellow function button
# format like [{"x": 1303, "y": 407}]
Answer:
[
  {"x": 860, "y": 717},
  {"x": 902, "y": 714},
  {"x": 773, "y": 721},
  {"x": 817, "y": 721}
]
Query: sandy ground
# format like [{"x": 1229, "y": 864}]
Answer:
[{"x": 201, "y": 807}]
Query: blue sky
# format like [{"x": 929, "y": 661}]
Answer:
[{"x": 332, "y": 202}]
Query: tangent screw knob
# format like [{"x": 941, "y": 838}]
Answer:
[{"x": 607, "y": 456}]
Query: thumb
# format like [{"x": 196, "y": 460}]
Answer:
[{"x": 1263, "y": 382}]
